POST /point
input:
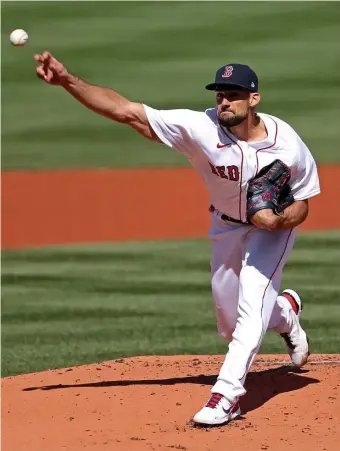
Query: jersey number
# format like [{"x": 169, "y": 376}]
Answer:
[{"x": 226, "y": 172}]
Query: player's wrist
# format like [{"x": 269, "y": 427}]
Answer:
[
  {"x": 68, "y": 80},
  {"x": 278, "y": 221},
  {"x": 263, "y": 219}
]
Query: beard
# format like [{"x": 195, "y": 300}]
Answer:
[{"x": 232, "y": 120}]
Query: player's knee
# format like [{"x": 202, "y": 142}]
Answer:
[
  {"x": 225, "y": 334},
  {"x": 226, "y": 323},
  {"x": 252, "y": 292}
]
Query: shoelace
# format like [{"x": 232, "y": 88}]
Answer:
[
  {"x": 214, "y": 400},
  {"x": 287, "y": 339}
]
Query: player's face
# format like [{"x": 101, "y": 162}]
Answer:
[{"x": 233, "y": 106}]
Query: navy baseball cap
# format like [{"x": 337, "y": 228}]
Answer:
[{"x": 234, "y": 76}]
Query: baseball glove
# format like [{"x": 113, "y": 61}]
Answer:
[{"x": 270, "y": 189}]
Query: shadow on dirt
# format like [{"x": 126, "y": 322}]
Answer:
[{"x": 261, "y": 385}]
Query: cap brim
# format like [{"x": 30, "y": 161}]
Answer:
[{"x": 226, "y": 86}]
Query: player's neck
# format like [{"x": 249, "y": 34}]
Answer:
[{"x": 251, "y": 129}]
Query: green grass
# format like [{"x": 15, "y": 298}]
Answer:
[
  {"x": 162, "y": 53},
  {"x": 63, "y": 306}
]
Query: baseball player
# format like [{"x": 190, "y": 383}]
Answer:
[{"x": 259, "y": 175}]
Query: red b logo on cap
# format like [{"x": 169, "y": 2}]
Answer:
[{"x": 228, "y": 71}]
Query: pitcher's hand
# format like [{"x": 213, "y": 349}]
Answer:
[
  {"x": 266, "y": 219},
  {"x": 50, "y": 70}
]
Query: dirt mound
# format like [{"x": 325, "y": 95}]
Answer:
[{"x": 146, "y": 403}]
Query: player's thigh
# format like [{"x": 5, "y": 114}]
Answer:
[
  {"x": 266, "y": 253},
  {"x": 226, "y": 264}
]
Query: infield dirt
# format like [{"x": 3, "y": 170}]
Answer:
[{"x": 146, "y": 403}]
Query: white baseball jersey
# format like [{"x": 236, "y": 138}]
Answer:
[{"x": 225, "y": 163}]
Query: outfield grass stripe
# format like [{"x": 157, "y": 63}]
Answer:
[
  {"x": 164, "y": 62},
  {"x": 69, "y": 305}
]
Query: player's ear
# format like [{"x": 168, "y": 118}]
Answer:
[{"x": 255, "y": 98}]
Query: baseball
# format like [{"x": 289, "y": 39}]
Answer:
[{"x": 18, "y": 37}]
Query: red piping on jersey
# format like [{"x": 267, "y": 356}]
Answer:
[
  {"x": 239, "y": 205},
  {"x": 231, "y": 139},
  {"x": 268, "y": 147}
]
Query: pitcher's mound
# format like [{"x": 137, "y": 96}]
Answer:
[{"x": 146, "y": 403}]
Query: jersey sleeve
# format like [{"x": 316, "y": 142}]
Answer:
[
  {"x": 306, "y": 182},
  {"x": 175, "y": 128}
]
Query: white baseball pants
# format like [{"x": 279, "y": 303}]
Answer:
[{"x": 246, "y": 270}]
